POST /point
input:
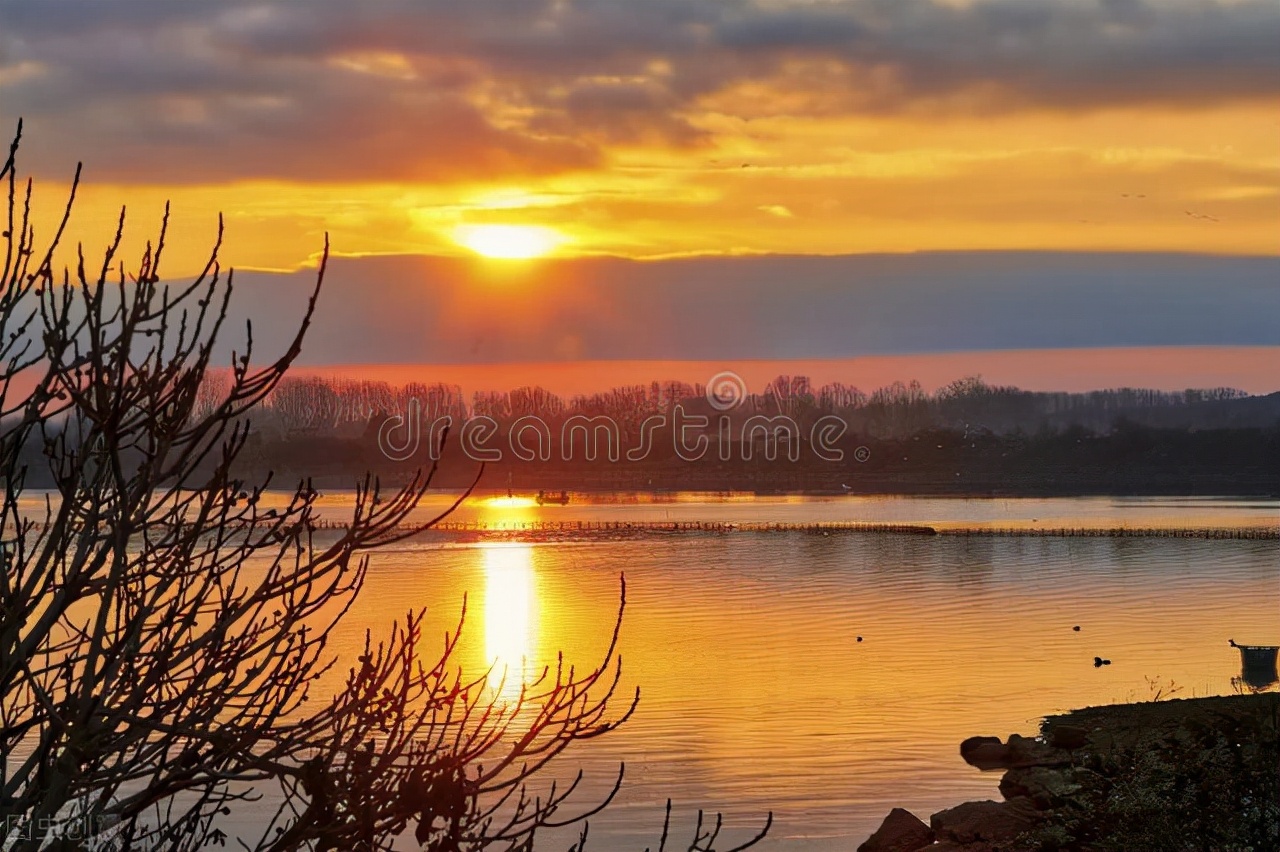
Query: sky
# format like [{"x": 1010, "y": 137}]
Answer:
[{"x": 1016, "y": 144}]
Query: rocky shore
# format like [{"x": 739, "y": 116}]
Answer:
[{"x": 1169, "y": 775}]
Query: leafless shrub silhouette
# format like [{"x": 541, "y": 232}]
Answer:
[{"x": 161, "y": 631}]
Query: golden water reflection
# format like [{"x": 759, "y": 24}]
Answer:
[
  {"x": 510, "y": 616},
  {"x": 757, "y": 694}
]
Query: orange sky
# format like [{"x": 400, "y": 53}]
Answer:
[
  {"x": 1251, "y": 369},
  {"x": 657, "y": 128},
  {"x": 1020, "y": 181},
  {"x": 667, "y": 128}
]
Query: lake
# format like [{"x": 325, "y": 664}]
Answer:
[{"x": 756, "y": 695}]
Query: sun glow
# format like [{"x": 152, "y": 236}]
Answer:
[
  {"x": 510, "y": 611},
  {"x": 510, "y": 242},
  {"x": 510, "y": 502}
]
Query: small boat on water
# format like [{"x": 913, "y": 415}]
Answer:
[
  {"x": 1258, "y": 663},
  {"x": 545, "y": 498}
]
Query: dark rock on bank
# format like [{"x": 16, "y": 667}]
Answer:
[
  {"x": 990, "y": 753},
  {"x": 1042, "y": 786},
  {"x": 1203, "y": 771},
  {"x": 1069, "y": 737},
  {"x": 1028, "y": 751},
  {"x": 985, "y": 752},
  {"x": 985, "y": 822},
  {"x": 901, "y": 831}
]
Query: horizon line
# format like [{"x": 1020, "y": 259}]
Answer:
[{"x": 1250, "y": 368}]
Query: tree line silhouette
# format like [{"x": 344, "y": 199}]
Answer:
[
  {"x": 316, "y": 405},
  {"x": 968, "y": 437}
]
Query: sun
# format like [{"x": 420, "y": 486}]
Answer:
[{"x": 512, "y": 242}]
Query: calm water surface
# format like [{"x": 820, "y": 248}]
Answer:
[{"x": 756, "y": 694}]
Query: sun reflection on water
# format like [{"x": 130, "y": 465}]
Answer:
[
  {"x": 510, "y": 616},
  {"x": 509, "y": 503}
]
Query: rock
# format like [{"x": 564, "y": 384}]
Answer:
[
  {"x": 1070, "y": 737},
  {"x": 1025, "y": 751},
  {"x": 901, "y": 831},
  {"x": 984, "y": 822},
  {"x": 985, "y": 752},
  {"x": 990, "y": 753},
  {"x": 1042, "y": 786}
]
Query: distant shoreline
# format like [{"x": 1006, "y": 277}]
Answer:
[
  {"x": 332, "y": 482},
  {"x": 553, "y": 530},
  {"x": 1126, "y": 461}
]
